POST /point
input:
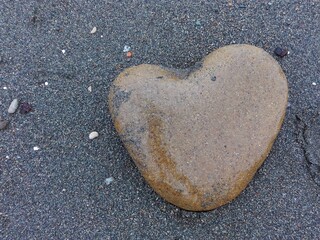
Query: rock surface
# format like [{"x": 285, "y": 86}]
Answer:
[{"x": 199, "y": 138}]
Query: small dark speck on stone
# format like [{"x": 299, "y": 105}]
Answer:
[
  {"x": 160, "y": 77},
  {"x": 242, "y": 6},
  {"x": 25, "y": 108},
  {"x": 281, "y": 52},
  {"x": 213, "y": 78},
  {"x": 3, "y": 124}
]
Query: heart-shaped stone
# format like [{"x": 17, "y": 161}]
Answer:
[{"x": 198, "y": 139}]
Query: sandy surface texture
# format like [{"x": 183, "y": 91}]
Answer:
[{"x": 58, "y": 58}]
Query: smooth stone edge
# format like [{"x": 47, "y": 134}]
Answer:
[{"x": 173, "y": 73}]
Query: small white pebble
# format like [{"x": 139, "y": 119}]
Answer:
[
  {"x": 63, "y": 51},
  {"x": 314, "y": 84},
  {"x": 13, "y": 106},
  {"x": 5, "y": 88},
  {"x": 101, "y": 36},
  {"x": 63, "y": 190},
  {"x": 36, "y": 148},
  {"x": 126, "y": 48},
  {"x": 93, "y": 135},
  {"x": 94, "y": 29},
  {"x": 90, "y": 89},
  {"x": 46, "y": 83},
  {"x": 109, "y": 180},
  {"x": 7, "y": 157}
]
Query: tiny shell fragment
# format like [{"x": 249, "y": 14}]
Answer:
[
  {"x": 13, "y": 106},
  {"x": 94, "y": 29},
  {"x": 126, "y": 48},
  {"x": 93, "y": 135},
  {"x": 109, "y": 180}
]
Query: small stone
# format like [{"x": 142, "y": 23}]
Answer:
[
  {"x": 36, "y": 148},
  {"x": 109, "y": 180},
  {"x": 314, "y": 83},
  {"x": 281, "y": 52},
  {"x": 126, "y": 48},
  {"x": 94, "y": 29},
  {"x": 93, "y": 135},
  {"x": 3, "y": 124},
  {"x": 129, "y": 54},
  {"x": 13, "y": 106},
  {"x": 63, "y": 51},
  {"x": 199, "y": 142},
  {"x": 5, "y": 88},
  {"x": 90, "y": 89},
  {"x": 46, "y": 83},
  {"x": 25, "y": 108}
]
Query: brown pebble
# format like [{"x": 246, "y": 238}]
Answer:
[{"x": 129, "y": 54}]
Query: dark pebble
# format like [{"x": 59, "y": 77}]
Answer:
[
  {"x": 3, "y": 124},
  {"x": 25, "y": 108},
  {"x": 281, "y": 52}
]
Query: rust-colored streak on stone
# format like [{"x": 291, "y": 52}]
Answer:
[{"x": 168, "y": 173}]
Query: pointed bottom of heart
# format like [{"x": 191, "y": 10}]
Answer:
[{"x": 199, "y": 138}]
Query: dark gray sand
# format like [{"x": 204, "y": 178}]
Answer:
[{"x": 49, "y": 58}]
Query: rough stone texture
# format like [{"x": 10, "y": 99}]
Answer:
[{"x": 199, "y": 139}]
